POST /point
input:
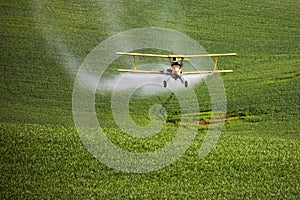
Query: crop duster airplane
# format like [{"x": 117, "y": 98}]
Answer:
[{"x": 176, "y": 63}]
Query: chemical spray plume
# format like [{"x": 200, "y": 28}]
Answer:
[{"x": 144, "y": 83}]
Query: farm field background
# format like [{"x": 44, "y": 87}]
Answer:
[{"x": 42, "y": 47}]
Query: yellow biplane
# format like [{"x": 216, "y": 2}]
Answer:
[{"x": 176, "y": 64}]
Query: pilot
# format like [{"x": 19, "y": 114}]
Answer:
[{"x": 175, "y": 61}]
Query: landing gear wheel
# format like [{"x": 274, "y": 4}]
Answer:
[
  {"x": 186, "y": 84},
  {"x": 165, "y": 83}
]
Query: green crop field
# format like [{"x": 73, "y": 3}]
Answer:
[{"x": 43, "y": 44}]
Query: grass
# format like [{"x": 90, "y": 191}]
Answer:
[
  {"x": 37, "y": 165},
  {"x": 257, "y": 156}
]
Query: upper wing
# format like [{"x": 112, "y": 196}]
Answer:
[
  {"x": 207, "y": 72},
  {"x": 143, "y": 54},
  {"x": 214, "y": 71},
  {"x": 175, "y": 56},
  {"x": 164, "y": 72},
  {"x": 142, "y": 71}
]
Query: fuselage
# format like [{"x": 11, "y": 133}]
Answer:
[{"x": 175, "y": 71}]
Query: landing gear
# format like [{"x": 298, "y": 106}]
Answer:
[
  {"x": 186, "y": 84},
  {"x": 165, "y": 83}
]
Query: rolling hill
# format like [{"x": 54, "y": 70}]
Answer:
[{"x": 42, "y": 47}]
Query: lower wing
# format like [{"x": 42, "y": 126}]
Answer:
[{"x": 208, "y": 72}]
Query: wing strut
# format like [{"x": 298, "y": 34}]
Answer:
[
  {"x": 216, "y": 63},
  {"x": 134, "y": 63}
]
